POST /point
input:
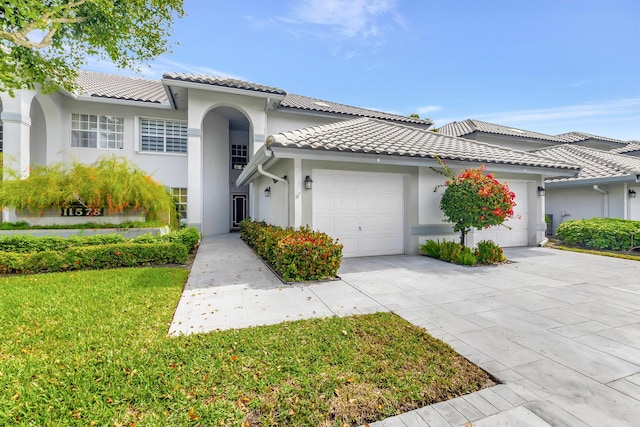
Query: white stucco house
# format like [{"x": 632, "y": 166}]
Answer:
[
  {"x": 608, "y": 185},
  {"x": 231, "y": 149}
]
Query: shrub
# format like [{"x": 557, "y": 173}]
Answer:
[
  {"x": 189, "y": 237},
  {"x": 489, "y": 253},
  {"x": 307, "y": 255},
  {"x": 112, "y": 183},
  {"x": 466, "y": 256},
  {"x": 449, "y": 250},
  {"x": 600, "y": 233},
  {"x": 431, "y": 248},
  {"x": 294, "y": 255},
  {"x": 93, "y": 257}
]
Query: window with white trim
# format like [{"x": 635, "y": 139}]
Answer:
[
  {"x": 93, "y": 131},
  {"x": 239, "y": 156},
  {"x": 180, "y": 199},
  {"x": 163, "y": 136}
]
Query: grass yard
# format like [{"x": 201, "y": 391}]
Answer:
[{"x": 90, "y": 348}]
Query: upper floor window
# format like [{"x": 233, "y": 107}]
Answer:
[
  {"x": 239, "y": 156},
  {"x": 163, "y": 136},
  {"x": 92, "y": 131}
]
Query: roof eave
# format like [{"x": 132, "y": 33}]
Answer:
[
  {"x": 221, "y": 89},
  {"x": 592, "y": 181},
  {"x": 417, "y": 161},
  {"x": 327, "y": 114},
  {"x": 118, "y": 101}
]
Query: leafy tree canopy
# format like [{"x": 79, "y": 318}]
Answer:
[
  {"x": 46, "y": 41},
  {"x": 475, "y": 199}
]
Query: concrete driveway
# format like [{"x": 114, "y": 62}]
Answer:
[{"x": 560, "y": 330}]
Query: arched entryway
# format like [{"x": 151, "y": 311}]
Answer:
[{"x": 226, "y": 147}]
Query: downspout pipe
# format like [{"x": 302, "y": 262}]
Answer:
[
  {"x": 286, "y": 188},
  {"x": 606, "y": 200}
]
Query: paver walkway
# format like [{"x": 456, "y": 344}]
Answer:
[{"x": 561, "y": 330}]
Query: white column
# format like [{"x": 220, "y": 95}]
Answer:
[
  {"x": 194, "y": 178},
  {"x": 16, "y": 128},
  {"x": 297, "y": 193},
  {"x": 16, "y": 121}
]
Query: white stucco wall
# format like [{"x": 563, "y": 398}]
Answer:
[
  {"x": 583, "y": 202},
  {"x": 215, "y": 175},
  {"x": 277, "y": 209}
]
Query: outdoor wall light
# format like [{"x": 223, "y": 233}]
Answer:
[
  {"x": 308, "y": 183},
  {"x": 632, "y": 194},
  {"x": 267, "y": 192},
  {"x": 541, "y": 191}
]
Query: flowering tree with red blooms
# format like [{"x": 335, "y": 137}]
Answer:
[{"x": 475, "y": 199}]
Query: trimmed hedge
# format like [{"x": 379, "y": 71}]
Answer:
[
  {"x": 600, "y": 233},
  {"x": 93, "y": 257},
  {"x": 295, "y": 255},
  {"x": 29, "y": 254}
]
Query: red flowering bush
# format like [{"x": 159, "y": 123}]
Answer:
[
  {"x": 296, "y": 255},
  {"x": 475, "y": 199}
]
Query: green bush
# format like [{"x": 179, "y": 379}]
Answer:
[
  {"x": 93, "y": 257},
  {"x": 28, "y": 254},
  {"x": 307, "y": 255},
  {"x": 431, "y": 248},
  {"x": 189, "y": 237},
  {"x": 489, "y": 253},
  {"x": 466, "y": 257},
  {"x": 295, "y": 255},
  {"x": 449, "y": 250},
  {"x": 600, "y": 233}
]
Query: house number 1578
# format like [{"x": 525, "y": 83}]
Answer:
[{"x": 80, "y": 211}]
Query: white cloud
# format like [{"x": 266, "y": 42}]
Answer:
[
  {"x": 345, "y": 19},
  {"x": 557, "y": 114},
  {"x": 429, "y": 109}
]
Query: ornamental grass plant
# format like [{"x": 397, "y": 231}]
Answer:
[{"x": 113, "y": 183}]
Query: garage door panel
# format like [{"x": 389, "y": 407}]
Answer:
[
  {"x": 346, "y": 224},
  {"x": 345, "y": 204},
  {"x": 367, "y": 211},
  {"x": 325, "y": 223}
]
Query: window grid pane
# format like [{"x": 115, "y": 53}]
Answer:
[
  {"x": 163, "y": 136},
  {"x": 239, "y": 156},
  {"x": 180, "y": 199},
  {"x": 92, "y": 131}
]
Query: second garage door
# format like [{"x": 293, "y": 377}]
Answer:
[{"x": 365, "y": 211}]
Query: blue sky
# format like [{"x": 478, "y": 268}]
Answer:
[{"x": 550, "y": 66}]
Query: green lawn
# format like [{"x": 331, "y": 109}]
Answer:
[{"x": 90, "y": 348}]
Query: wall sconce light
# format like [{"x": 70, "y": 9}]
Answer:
[
  {"x": 308, "y": 183},
  {"x": 267, "y": 192},
  {"x": 541, "y": 191},
  {"x": 632, "y": 194}
]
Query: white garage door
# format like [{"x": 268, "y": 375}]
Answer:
[
  {"x": 364, "y": 210},
  {"x": 519, "y": 224}
]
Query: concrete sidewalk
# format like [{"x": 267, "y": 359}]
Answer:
[{"x": 561, "y": 330}]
